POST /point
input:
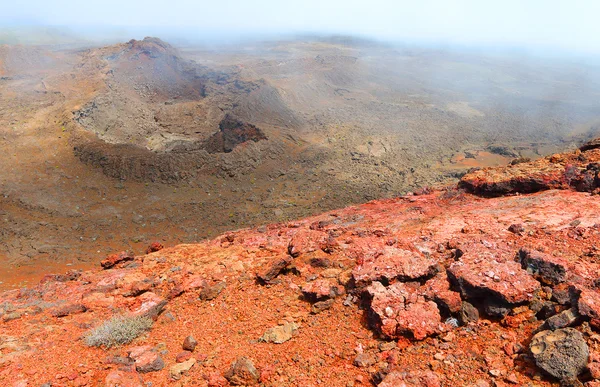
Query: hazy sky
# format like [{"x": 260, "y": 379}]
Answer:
[{"x": 570, "y": 24}]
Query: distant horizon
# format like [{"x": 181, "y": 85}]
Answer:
[
  {"x": 548, "y": 25},
  {"x": 105, "y": 35}
]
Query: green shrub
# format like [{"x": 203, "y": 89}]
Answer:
[{"x": 117, "y": 331}]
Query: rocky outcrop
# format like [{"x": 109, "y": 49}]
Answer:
[
  {"x": 418, "y": 290},
  {"x": 157, "y": 116},
  {"x": 492, "y": 278},
  {"x": 232, "y": 133},
  {"x": 578, "y": 170}
]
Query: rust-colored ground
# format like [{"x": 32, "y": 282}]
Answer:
[{"x": 39, "y": 348}]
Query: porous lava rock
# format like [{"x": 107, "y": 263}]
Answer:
[{"x": 563, "y": 353}]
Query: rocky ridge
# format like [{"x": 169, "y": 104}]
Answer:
[{"x": 439, "y": 288}]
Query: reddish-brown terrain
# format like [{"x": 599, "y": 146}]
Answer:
[
  {"x": 439, "y": 288},
  {"x": 111, "y": 148}
]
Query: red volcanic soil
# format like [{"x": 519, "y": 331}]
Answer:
[{"x": 441, "y": 289}]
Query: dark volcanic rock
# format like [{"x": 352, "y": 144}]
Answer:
[
  {"x": 320, "y": 306},
  {"x": 592, "y": 144},
  {"x": 565, "y": 294},
  {"x": 547, "y": 268},
  {"x": 495, "y": 309},
  {"x": 562, "y": 353},
  {"x": 468, "y": 313},
  {"x": 516, "y": 228},
  {"x": 232, "y": 132},
  {"x": 564, "y": 319}
]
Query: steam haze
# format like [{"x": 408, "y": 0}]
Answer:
[{"x": 553, "y": 25}]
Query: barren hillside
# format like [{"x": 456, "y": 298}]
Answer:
[
  {"x": 444, "y": 288},
  {"x": 110, "y": 148}
]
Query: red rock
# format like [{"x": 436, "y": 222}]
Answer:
[
  {"x": 242, "y": 373},
  {"x": 321, "y": 289},
  {"x": 201, "y": 357},
  {"x": 133, "y": 284},
  {"x": 275, "y": 269},
  {"x": 195, "y": 282},
  {"x": 589, "y": 304},
  {"x": 211, "y": 292},
  {"x": 363, "y": 360},
  {"x": 148, "y": 361},
  {"x": 115, "y": 259},
  {"x": 183, "y": 356},
  {"x": 177, "y": 291},
  {"x": 111, "y": 278},
  {"x": 97, "y": 300},
  {"x": 136, "y": 352},
  {"x": 389, "y": 263},
  {"x": 564, "y": 171},
  {"x": 403, "y": 311},
  {"x": 215, "y": 379},
  {"x": 329, "y": 245},
  {"x": 123, "y": 379},
  {"x": 305, "y": 241},
  {"x": 437, "y": 289},
  {"x": 67, "y": 310},
  {"x": 152, "y": 305},
  {"x": 154, "y": 247},
  {"x": 488, "y": 276},
  {"x": 594, "y": 368},
  {"x": 410, "y": 379}
]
